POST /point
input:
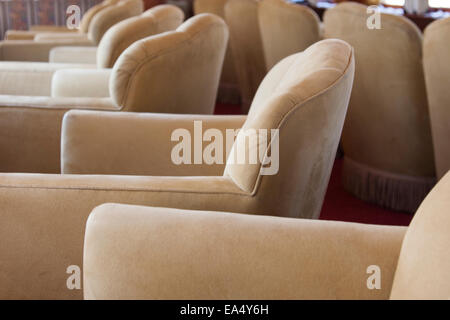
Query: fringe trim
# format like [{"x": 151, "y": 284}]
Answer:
[{"x": 389, "y": 190}]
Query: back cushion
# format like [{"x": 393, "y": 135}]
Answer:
[
  {"x": 424, "y": 263},
  {"x": 388, "y": 92},
  {"x": 120, "y": 36},
  {"x": 290, "y": 84},
  {"x": 111, "y": 15},
  {"x": 286, "y": 28},
  {"x": 436, "y": 51},
  {"x": 174, "y": 72}
]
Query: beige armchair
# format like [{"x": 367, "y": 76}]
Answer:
[
  {"x": 246, "y": 47},
  {"x": 436, "y": 56},
  {"x": 83, "y": 29},
  {"x": 286, "y": 28},
  {"x": 35, "y": 78},
  {"x": 387, "y": 137},
  {"x": 134, "y": 252},
  {"x": 39, "y": 48},
  {"x": 228, "y": 89},
  {"x": 145, "y": 78},
  {"x": 305, "y": 97},
  {"x": 155, "y": 20}
]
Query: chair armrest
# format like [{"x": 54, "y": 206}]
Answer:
[
  {"x": 81, "y": 83},
  {"x": 133, "y": 143},
  {"x": 19, "y": 35},
  {"x": 161, "y": 253},
  {"x": 43, "y": 219},
  {"x": 55, "y": 36},
  {"x": 27, "y": 50},
  {"x": 30, "y": 131},
  {"x": 74, "y": 55},
  {"x": 51, "y": 28},
  {"x": 31, "y": 78}
]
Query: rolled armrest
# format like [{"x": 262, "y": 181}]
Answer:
[
  {"x": 43, "y": 219},
  {"x": 74, "y": 55},
  {"x": 30, "y": 131},
  {"x": 135, "y": 144},
  {"x": 27, "y": 50},
  {"x": 161, "y": 253},
  {"x": 31, "y": 78},
  {"x": 81, "y": 83}
]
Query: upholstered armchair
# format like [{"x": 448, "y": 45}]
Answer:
[
  {"x": 436, "y": 57},
  {"x": 175, "y": 72},
  {"x": 35, "y": 78},
  {"x": 228, "y": 89},
  {"x": 303, "y": 99},
  {"x": 387, "y": 137},
  {"x": 39, "y": 48},
  {"x": 155, "y": 20},
  {"x": 286, "y": 28},
  {"x": 134, "y": 252},
  {"x": 246, "y": 47},
  {"x": 83, "y": 28}
]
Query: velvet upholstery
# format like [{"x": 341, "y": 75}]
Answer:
[
  {"x": 246, "y": 47},
  {"x": 156, "y": 20},
  {"x": 163, "y": 253},
  {"x": 388, "y": 112},
  {"x": 319, "y": 82},
  {"x": 146, "y": 78},
  {"x": 436, "y": 57},
  {"x": 228, "y": 89},
  {"x": 286, "y": 28}
]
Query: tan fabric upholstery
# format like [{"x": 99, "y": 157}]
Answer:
[
  {"x": 228, "y": 89},
  {"x": 422, "y": 270},
  {"x": 189, "y": 61},
  {"x": 30, "y": 78},
  {"x": 388, "y": 112},
  {"x": 246, "y": 47},
  {"x": 81, "y": 83},
  {"x": 286, "y": 28},
  {"x": 74, "y": 55},
  {"x": 108, "y": 17},
  {"x": 161, "y": 253},
  {"x": 197, "y": 48},
  {"x": 156, "y": 20},
  {"x": 27, "y": 50},
  {"x": 436, "y": 50},
  {"x": 61, "y": 203}
]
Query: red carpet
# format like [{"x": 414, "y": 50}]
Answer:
[{"x": 340, "y": 205}]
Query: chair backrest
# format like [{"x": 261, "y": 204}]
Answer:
[
  {"x": 156, "y": 20},
  {"x": 228, "y": 78},
  {"x": 436, "y": 58},
  {"x": 87, "y": 17},
  {"x": 286, "y": 28},
  {"x": 305, "y": 97},
  {"x": 388, "y": 112},
  {"x": 424, "y": 262},
  {"x": 173, "y": 72},
  {"x": 246, "y": 46},
  {"x": 111, "y": 15}
]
